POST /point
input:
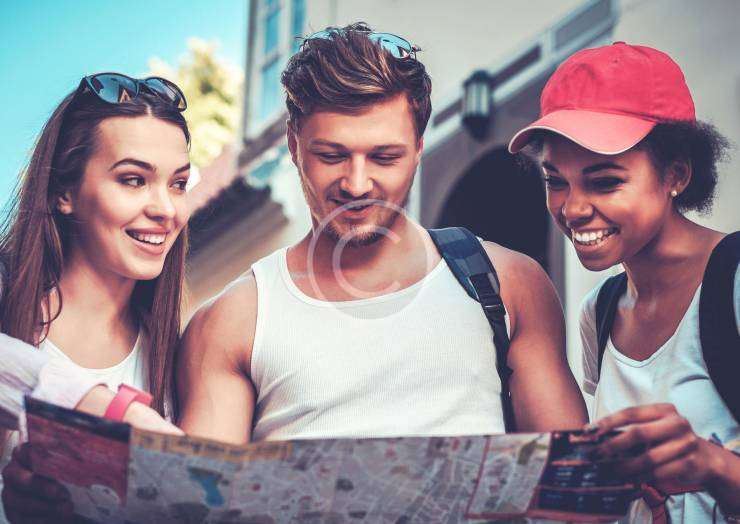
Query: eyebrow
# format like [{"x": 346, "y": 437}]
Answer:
[
  {"x": 146, "y": 165},
  {"x": 337, "y": 145},
  {"x": 600, "y": 167},
  {"x": 587, "y": 170},
  {"x": 322, "y": 142},
  {"x": 133, "y": 161},
  {"x": 389, "y": 146}
]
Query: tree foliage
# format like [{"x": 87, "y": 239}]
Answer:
[{"x": 213, "y": 89}]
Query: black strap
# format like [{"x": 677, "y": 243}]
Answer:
[
  {"x": 606, "y": 310},
  {"x": 470, "y": 264},
  {"x": 720, "y": 340}
]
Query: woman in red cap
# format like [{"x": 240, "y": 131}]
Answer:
[{"x": 624, "y": 158}]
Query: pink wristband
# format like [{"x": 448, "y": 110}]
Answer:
[{"x": 123, "y": 399}]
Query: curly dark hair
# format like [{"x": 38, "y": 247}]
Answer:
[
  {"x": 347, "y": 72},
  {"x": 701, "y": 146},
  {"x": 697, "y": 143}
]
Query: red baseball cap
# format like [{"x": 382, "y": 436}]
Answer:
[{"x": 609, "y": 98}]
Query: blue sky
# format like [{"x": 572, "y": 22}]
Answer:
[{"x": 49, "y": 45}]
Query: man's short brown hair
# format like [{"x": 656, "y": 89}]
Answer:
[{"x": 345, "y": 71}]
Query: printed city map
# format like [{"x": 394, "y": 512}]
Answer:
[{"x": 118, "y": 474}]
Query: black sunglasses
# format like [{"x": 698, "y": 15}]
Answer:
[
  {"x": 394, "y": 44},
  {"x": 115, "y": 88}
]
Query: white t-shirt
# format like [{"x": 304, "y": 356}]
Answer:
[
  {"x": 676, "y": 373},
  {"x": 132, "y": 370}
]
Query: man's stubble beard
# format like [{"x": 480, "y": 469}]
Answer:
[
  {"x": 378, "y": 231},
  {"x": 355, "y": 241}
]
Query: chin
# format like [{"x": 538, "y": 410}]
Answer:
[
  {"x": 366, "y": 238},
  {"x": 597, "y": 264},
  {"x": 355, "y": 235},
  {"x": 144, "y": 271}
]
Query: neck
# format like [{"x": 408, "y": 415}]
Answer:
[
  {"x": 675, "y": 257},
  {"x": 90, "y": 293}
]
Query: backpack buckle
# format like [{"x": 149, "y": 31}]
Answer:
[{"x": 495, "y": 309}]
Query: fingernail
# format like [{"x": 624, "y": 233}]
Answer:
[{"x": 591, "y": 428}]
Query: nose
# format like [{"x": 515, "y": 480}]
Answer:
[
  {"x": 160, "y": 206},
  {"x": 356, "y": 182},
  {"x": 577, "y": 209}
]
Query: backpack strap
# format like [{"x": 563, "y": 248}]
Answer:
[
  {"x": 606, "y": 309},
  {"x": 720, "y": 340},
  {"x": 471, "y": 266}
]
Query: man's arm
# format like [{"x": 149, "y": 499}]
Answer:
[
  {"x": 544, "y": 393},
  {"x": 215, "y": 393}
]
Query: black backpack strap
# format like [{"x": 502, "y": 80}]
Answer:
[
  {"x": 720, "y": 340},
  {"x": 606, "y": 309},
  {"x": 470, "y": 264}
]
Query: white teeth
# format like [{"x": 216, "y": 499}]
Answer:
[
  {"x": 148, "y": 238},
  {"x": 355, "y": 206},
  {"x": 592, "y": 238}
]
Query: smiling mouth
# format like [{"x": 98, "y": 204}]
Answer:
[
  {"x": 353, "y": 206},
  {"x": 153, "y": 239},
  {"x": 592, "y": 238}
]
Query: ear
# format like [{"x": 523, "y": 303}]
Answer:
[
  {"x": 678, "y": 175},
  {"x": 292, "y": 143},
  {"x": 64, "y": 203}
]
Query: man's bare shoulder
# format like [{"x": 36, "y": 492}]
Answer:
[
  {"x": 228, "y": 319},
  {"x": 525, "y": 287},
  {"x": 514, "y": 268}
]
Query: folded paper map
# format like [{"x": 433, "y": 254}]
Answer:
[{"x": 119, "y": 474}]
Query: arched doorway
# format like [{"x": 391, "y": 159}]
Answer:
[{"x": 501, "y": 199}]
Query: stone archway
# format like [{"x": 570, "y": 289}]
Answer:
[{"x": 501, "y": 199}]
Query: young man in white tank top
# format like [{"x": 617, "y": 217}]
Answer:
[{"x": 360, "y": 329}]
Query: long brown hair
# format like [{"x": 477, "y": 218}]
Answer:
[{"x": 35, "y": 236}]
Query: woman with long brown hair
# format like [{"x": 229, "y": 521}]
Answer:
[{"x": 93, "y": 251}]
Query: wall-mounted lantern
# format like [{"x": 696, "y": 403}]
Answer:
[{"x": 477, "y": 106}]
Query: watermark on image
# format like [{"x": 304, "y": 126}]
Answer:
[{"x": 364, "y": 234}]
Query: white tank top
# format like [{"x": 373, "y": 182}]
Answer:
[
  {"x": 676, "y": 373},
  {"x": 418, "y": 361}
]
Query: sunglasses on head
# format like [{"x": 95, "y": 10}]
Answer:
[
  {"x": 115, "y": 88},
  {"x": 394, "y": 44}
]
